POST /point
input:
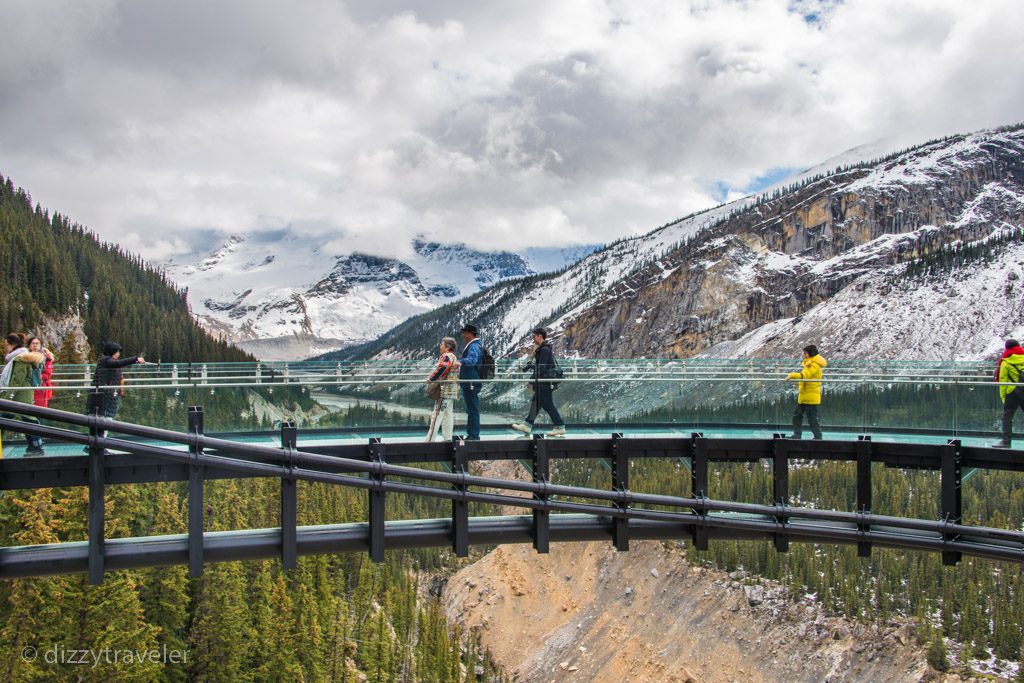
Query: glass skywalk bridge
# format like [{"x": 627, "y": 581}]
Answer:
[
  {"x": 338, "y": 402},
  {"x": 675, "y": 427}
]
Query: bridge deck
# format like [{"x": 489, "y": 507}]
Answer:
[{"x": 353, "y": 436}]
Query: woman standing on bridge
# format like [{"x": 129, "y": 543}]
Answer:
[
  {"x": 442, "y": 387},
  {"x": 43, "y": 374},
  {"x": 808, "y": 392},
  {"x": 19, "y": 366}
]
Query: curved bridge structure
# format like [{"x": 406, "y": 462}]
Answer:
[{"x": 120, "y": 453}]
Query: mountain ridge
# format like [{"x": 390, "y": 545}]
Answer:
[{"x": 721, "y": 274}]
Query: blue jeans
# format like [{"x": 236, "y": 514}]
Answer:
[{"x": 471, "y": 395}]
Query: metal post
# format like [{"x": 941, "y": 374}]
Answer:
[
  {"x": 97, "y": 510},
  {"x": 284, "y": 374},
  {"x": 259, "y": 373},
  {"x": 376, "y": 503},
  {"x": 460, "y": 507},
  {"x": 952, "y": 500},
  {"x": 174, "y": 374},
  {"x": 864, "y": 490},
  {"x": 780, "y": 488},
  {"x": 620, "y": 484},
  {"x": 541, "y": 473},
  {"x": 289, "y": 499},
  {"x": 195, "y": 494},
  {"x": 699, "y": 486}
]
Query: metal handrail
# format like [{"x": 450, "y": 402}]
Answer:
[{"x": 697, "y": 512}]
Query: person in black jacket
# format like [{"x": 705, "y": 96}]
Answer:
[
  {"x": 110, "y": 375},
  {"x": 544, "y": 370}
]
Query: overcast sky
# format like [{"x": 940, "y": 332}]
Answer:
[{"x": 160, "y": 124}]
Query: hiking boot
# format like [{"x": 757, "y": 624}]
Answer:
[
  {"x": 34, "y": 452},
  {"x": 1001, "y": 444},
  {"x": 794, "y": 436},
  {"x": 522, "y": 427},
  {"x": 557, "y": 430}
]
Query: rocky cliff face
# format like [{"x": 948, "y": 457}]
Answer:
[
  {"x": 699, "y": 284},
  {"x": 586, "y": 613},
  {"x": 788, "y": 255}
]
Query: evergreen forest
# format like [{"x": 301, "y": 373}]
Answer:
[{"x": 51, "y": 267}]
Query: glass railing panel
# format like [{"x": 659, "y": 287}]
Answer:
[{"x": 718, "y": 396}]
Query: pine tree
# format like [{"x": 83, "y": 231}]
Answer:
[
  {"x": 220, "y": 634},
  {"x": 278, "y": 653},
  {"x": 109, "y": 617},
  {"x": 32, "y": 612},
  {"x": 937, "y": 657},
  {"x": 164, "y": 593}
]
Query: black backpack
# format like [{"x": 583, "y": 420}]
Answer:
[{"x": 487, "y": 364}]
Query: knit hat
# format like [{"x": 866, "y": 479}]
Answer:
[{"x": 110, "y": 348}]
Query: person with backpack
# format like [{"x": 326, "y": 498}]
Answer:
[
  {"x": 42, "y": 377},
  {"x": 1009, "y": 372},
  {"x": 469, "y": 373},
  {"x": 442, "y": 387},
  {"x": 545, "y": 369},
  {"x": 20, "y": 365},
  {"x": 110, "y": 374}
]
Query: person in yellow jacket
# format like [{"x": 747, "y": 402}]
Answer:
[
  {"x": 808, "y": 392},
  {"x": 1009, "y": 374}
]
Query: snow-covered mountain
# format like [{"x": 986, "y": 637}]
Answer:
[
  {"x": 917, "y": 255},
  {"x": 281, "y": 295}
]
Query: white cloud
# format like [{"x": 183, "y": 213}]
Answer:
[{"x": 502, "y": 124}]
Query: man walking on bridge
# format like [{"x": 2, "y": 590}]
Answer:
[
  {"x": 469, "y": 369},
  {"x": 1008, "y": 374},
  {"x": 808, "y": 392}
]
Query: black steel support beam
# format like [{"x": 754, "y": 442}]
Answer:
[
  {"x": 195, "y": 494},
  {"x": 864, "y": 490},
  {"x": 460, "y": 506},
  {"x": 253, "y": 544},
  {"x": 541, "y": 475},
  {"x": 699, "y": 486},
  {"x": 780, "y": 488},
  {"x": 289, "y": 498},
  {"x": 97, "y": 506},
  {"x": 620, "y": 483},
  {"x": 952, "y": 496},
  {"x": 376, "y": 502}
]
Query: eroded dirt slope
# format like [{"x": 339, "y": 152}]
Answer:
[{"x": 587, "y": 613}]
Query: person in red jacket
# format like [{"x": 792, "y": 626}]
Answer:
[
  {"x": 1013, "y": 348},
  {"x": 1008, "y": 374},
  {"x": 43, "y": 375}
]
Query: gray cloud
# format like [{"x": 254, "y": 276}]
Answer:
[{"x": 503, "y": 124}]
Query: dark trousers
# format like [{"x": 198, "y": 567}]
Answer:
[
  {"x": 471, "y": 395},
  {"x": 544, "y": 399},
  {"x": 1014, "y": 400},
  {"x": 105, "y": 404},
  {"x": 532, "y": 415},
  {"x": 812, "y": 419},
  {"x": 34, "y": 442}
]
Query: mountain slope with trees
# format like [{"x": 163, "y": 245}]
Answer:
[{"x": 51, "y": 267}]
